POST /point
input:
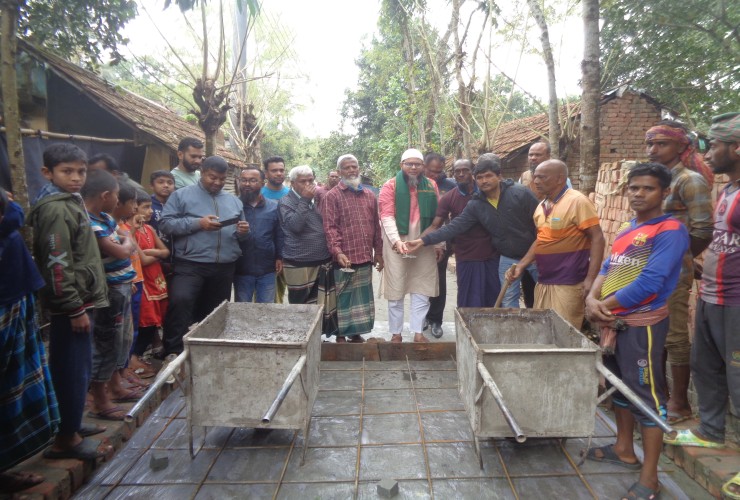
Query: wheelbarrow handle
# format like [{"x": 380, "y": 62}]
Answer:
[
  {"x": 158, "y": 382},
  {"x": 496, "y": 393},
  {"x": 504, "y": 287},
  {"x": 275, "y": 406},
  {"x": 634, "y": 399}
]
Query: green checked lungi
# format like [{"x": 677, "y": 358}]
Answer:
[{"x": 355, "y": 305}]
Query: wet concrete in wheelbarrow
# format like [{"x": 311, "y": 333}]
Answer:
[{"x": 399, "y": 420}]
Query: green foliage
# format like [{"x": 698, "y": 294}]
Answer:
[
  {"x": 687, "y": 56},
  {"x": 83, "y": 27}
]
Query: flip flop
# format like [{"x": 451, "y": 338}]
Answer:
[
  {"x": 685, "y": 437},
  {"x": 12, "y": 482},
  {"x": 609, "y": 456},
  {"x": 131, "y": 396},
  {"x": 676, "y": 418},
  {"x": 87, "y": 449},
  {"x": 639, "y": 492},
  {"x": 731, "y": 489},
  {"x": 109, "y": 414},
  {"x": 90, "y": 429}
]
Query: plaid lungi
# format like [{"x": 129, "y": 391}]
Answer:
[
  {"x": 314, "y": 285},
  {"x": 29, "y": 414},
  {"x": 355, "y": 305}
]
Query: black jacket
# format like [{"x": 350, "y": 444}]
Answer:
[{"x": 511, "y": 226}]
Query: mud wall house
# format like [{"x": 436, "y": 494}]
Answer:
[
  {"x": 62, "y": 102},
  {"x": 625, "y": 116}
]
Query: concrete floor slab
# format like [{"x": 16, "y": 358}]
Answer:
[
  {"x": 490, "y": 488},
  {"x": 358, "y": 436},
  {"x": 446, "y": 426},
  {"x": 248, "y": 464},
  {"x": 385, "y": 401},
  {"x": 394, "y": 461}
]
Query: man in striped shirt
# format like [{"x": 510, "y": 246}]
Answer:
[
  {"x": 715, "y": 352},
  {"x": 633, "y": 287},
  {"x": 569, "y": 245}
]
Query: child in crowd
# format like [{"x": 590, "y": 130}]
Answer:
[
  {"x": 68, "y": 257},
  {"x": 112, "y": 335},
  {"x": 125, "y": 213},
  {"x": 163, "y": 185},
  {"x": 154, "y": 297}
]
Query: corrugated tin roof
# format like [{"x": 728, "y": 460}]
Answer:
[{"x": 147, "y": 117}]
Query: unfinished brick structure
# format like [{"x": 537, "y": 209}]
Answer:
[{"x": 625, "y": 116}]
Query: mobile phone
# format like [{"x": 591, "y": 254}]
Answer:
[{"x": 229, "y": 222}]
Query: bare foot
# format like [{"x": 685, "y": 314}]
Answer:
[{"x": 396, "y": 338}]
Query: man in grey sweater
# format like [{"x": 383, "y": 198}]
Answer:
[
  {"x": 307, "y": 263},
  {"x": 205, "y": 225}
]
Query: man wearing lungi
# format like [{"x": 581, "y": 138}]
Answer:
[
  {"x": 352, "y": 230},
  {"x": 628, "y": 302},
  {"x": 569, "y": 245},
  {"x": 307, "y": 263},
  {"x": 407, "y": 204}
]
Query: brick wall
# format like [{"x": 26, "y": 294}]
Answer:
[{"x": 623, "y": 122}]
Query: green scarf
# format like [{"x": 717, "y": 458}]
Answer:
[{"x": 427, "y": 203}]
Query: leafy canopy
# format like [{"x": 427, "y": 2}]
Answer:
[{"x": 88, "y": 28}]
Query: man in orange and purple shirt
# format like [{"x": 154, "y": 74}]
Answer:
[{"x": 569, "y": 245}]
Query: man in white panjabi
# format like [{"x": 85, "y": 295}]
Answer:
[{"x": 407, "y": 204}]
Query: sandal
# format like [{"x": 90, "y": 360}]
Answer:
[
  {"x": 90, "y": 429},
  {"x": 640, "y": 492},
  {"x": 87, "y": 449},
  {"x": 609, "y": 456},
  {"x": 685, "y": 437},
  {"x": 131, "y": 396},
  {"x": 396, "y": 338},
  {"x": 109, "y": 414},
  {"x": 12, "y": 482},
  {"x": 731, "y": 489},
  {"x": 674, "y": 417}
]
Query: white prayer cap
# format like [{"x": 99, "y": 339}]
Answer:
[{"x": 412, "y": 153}]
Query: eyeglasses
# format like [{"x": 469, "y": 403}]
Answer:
[{"x": 413, "y": 165}]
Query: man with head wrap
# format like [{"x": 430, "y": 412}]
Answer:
[
  {"x": 690, "y": 202},
  {"x": 407, "y": 204},
  {"x": 716, "y": 347},
  {"x": 352, "y": 229}
]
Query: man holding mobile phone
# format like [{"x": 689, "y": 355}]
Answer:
[{"x": 206, "y": 249}]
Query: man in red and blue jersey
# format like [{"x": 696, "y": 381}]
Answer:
[
  {"x": 715, "y": 352},
  {"x": 633, "y": 286}
]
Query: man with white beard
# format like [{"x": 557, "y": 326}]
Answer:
[
  {"x": 407, "y": 205},
  {"x": 352, "y": 229}
]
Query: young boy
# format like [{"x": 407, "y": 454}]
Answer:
[
  {"x": 154, "y": 297},
  {"x": 68, "y": 258},
  {"x": 163, "y": 184},
  {"x": 633, "y": 286},
  {"x": 124, "y": 213},
  {"x": 113, "y": 332}
]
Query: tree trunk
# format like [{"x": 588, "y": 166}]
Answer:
[
  {"x": 590, "y": 82},
  {"x": 9, "y": 12},
  {"x": 408, "y": 57},
  {"x": 553, "y": 113},
  {"x": 462, "y": 121}
]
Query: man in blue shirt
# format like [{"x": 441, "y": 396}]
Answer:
[
  {"x": 633, "y": 287},
  {"x": 262, "y": 250},
  {"x": 275, "y": 174}
]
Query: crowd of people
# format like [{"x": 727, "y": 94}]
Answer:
[{"x": 115, "y": 266}]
